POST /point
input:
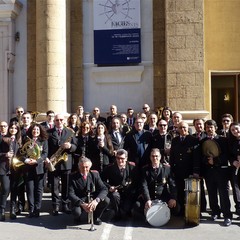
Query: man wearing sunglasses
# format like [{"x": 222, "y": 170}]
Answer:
[
  {"x": 227, "y": 119},
  {"x": 61, "y": 139},
  {"x": 18, "y": 117}
]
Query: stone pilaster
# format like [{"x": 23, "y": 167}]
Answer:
[
  {"x": 184, "y": 54},
  {"x": 76, "y": 57},
  {"x": 51, "y": 56},
  {"x": 159, "y": 54}
]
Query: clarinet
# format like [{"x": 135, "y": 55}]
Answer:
[{"x": 90, "y": 214}]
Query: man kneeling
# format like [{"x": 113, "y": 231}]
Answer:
[{"x": 87, "y": 192}]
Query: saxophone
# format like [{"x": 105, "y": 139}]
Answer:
[{"x": 58, "y": 156}]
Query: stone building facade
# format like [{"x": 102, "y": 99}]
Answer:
[{"x": 187, "y": 48}]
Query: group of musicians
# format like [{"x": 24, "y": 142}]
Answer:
[{"x": 120, "y": 164}]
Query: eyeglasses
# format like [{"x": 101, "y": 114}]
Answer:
[
  {"x": 19, "y": 111},
  {"x": 59, "y": 120},
  {"x": 3, "y": 126},
  {"x": 154, "y": 155},
  {"x": 162, "y": 125},
  {"x": 226, "y": 120},
  {"x": 95, "y": 110},
  {"x": 121, "y": 158},
  {"x": 182, "y": 127}
]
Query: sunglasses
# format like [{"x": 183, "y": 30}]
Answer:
[
  {"x": 162, "y": 125},
  {"x": 59, "y": 120},
  {"x": 19, "y": 111},
  {"x": 226, "y": 120}
]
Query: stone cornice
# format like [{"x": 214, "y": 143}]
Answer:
[{"x": 9, "y": 9}]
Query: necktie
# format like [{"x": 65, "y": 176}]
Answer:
[
  {"x": 59, "y": 132},
  {"x": 117, "y": 137},
  {"x": 130, "y": 122},
  {"x": 122, "y": 171},
  {"x": 84, "y": 177}
]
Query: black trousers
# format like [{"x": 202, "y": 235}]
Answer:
[
  {"x": 77, "y": 210},
  {"x": 4, "y": 190},
  {"x": 58, "y": 175},
  {"x": 34, "y": 187},
  {"x": 17, "y": 188},
  {"x": 216, "y": 179},
  {"x": 122, "y": 201}
]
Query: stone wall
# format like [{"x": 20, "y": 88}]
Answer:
[{"x": 184, "y": 54}]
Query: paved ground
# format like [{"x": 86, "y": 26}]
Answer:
[{"x": 61, "y": 227}]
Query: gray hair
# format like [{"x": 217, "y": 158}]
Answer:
[
  {"x": 84, "y": 159},
  {"x": 121, "y": 152}
]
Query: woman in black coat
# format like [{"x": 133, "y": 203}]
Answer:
[
  {"x": 9, "y": 178},
  {"x": 35, "y": 151},
  {"x": 100, "y": 148}
]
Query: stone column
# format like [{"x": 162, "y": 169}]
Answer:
[
  {"x": 51, "y": 55},
  {"x": 185, "y": 49}
]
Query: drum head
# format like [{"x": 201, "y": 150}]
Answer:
[{"x": 158, "y": 215}]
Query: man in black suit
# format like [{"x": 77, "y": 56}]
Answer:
[
  {"x": 184, "y": 159},
  {"x": 116, "y": 133},
  {"x": 137, "y": 143},
  {"x": 216, "y": 173},
  {"x": 158, "y": 184},
  {"x": 49, "y": 123},
  {"x": 130, "y": 117},
  {"x": 113, "y": 113},
  {"x": 96, "y": 113},
  {"x": 121, "y": 178},
  {"x": 61, "y": 139},
  {"x": 87, "y": 192},
  {"x": 18, "y": 118}
]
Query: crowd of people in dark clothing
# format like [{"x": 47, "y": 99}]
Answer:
[{"x": 118, "y": 165}]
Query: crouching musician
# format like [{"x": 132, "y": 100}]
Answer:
[
  {"x": 122, "y": 180},
  {"x": 87, "y": 193},
  {"x": 158, "y": 189}
]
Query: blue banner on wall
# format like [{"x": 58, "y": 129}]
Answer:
[
  {"x": 117, "y": 46},
  {"x": 117, "y": 32}
]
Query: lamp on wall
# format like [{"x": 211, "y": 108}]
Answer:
[
  {"x": 17, "y": 36},
  {"x": 226, "y": 97}
]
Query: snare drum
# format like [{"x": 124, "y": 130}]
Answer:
[{"x": 158, "y": 214}]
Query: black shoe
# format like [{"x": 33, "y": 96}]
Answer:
[
  {"x": 13, "y": 213},
  {"x": 215, "y": 217},
  {"x": 55, "y": 210},
  {"x": 2, "y": 215},
  {"x": 19, "y": 211},
  {"x": 31, "y": 214},
  {"x": 227, "y": 222},
  {"x": 77, "y": 221},
  {"x": 36, "y": 213},
  {"x": 98, "y": 221},
  {"x": 66, "y": 209}
]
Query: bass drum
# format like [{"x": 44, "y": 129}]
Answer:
[
  {"x": 192, "y": 198},
  {"x": 158, "y": 214}
]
